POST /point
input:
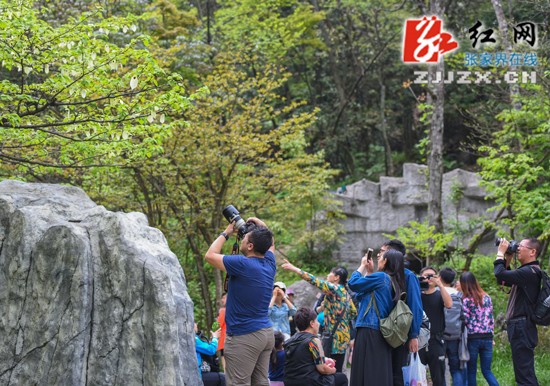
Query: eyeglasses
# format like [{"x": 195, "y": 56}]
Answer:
[{"x": 524, "y": 246}]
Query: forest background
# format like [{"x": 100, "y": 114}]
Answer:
[{"x": 179, "y": 108}]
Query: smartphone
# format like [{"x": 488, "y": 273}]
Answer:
[{"x": 369, "y": 253}]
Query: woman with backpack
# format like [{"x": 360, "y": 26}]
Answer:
[
  {"x": 478, "y": 314},
  {"x": 377, "y": 293}
]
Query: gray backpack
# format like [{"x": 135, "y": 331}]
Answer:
[
  {"x": 424, "y": 334},
  {"x": 454, "y": 318}
]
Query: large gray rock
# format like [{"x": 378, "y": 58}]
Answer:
[
  {"x": 374, "y": 210},
  {"x": 305, "y": 294},
  {"x": 88, "y": 296}
]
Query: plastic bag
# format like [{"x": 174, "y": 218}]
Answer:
[{"x": 415, "y": 373}]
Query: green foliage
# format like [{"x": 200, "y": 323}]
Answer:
[
  {"x": 425, "y": 111},
  {"x": 423, "y": 241},
  {"x": 267, "y": 29},
  {"x": 179, "y": 37},
  {"x": 82, "y": 94},
  {"x": 241, "y": 145},
  {"x": 516, "y": 165},
  {"x": 92, "y": 102},
  {"x": 457, "y": 192},
  {"x": 321, "y": 86}
]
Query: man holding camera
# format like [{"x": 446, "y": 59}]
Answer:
[
  {"x": 525, "y": 283},
  {"x": 249, "y": 338},
  {"x": 434, "y": 301}
]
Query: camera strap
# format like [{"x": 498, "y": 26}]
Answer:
[{"x": 234, "y": 251}]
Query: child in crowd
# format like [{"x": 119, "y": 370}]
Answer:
[
  {"x": 277, "y": 361},
  {"x": 221, "y": 321},
  {"x": 205, "y": 351}
]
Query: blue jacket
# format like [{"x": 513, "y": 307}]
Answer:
[
  {"x": 279, "y": 317},
  {"x": 378, "y": 283},
  {"x": 205, "y": 348},
  {"x": 414, "y": 301}
]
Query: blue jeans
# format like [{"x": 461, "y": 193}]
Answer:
[
  {"x": 483, "y": 347},
  {"x": 459, "y": 375}
]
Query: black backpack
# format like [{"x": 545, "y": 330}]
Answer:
[
  {"x": 212, "y": 360},
  {"x": 541, "y": 315}
]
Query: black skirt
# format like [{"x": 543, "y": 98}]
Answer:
[{"x": 371, "y": 362}]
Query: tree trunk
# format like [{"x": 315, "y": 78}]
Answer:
[
  {"x": 197, "y": 255},
  {"x": 325, "y": 28},
  {"x": 210, "y": 317},
  {"x": 435, "y": 157},
  {"x": 503, "y": 29},
  {"x": 383, "y": 128}
]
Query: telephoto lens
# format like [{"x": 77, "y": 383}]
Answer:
[{"x": 232, "y": 214}]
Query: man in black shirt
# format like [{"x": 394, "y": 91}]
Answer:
[
  {"x": 434, "y": 302},
  {"x": 525, "y": 283}
]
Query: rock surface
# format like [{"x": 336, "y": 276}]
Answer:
[
  {"x": 374, "y": 209},
  {"x": 88, "y": 296}
]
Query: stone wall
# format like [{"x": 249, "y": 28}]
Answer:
[
  {"x": 88, "y": 296},
  {"x": 374, "y": 209}
]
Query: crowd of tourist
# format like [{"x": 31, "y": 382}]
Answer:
[{"x": 268, "y": 341}]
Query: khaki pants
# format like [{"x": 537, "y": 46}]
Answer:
[{"x": 247, "y": 358}]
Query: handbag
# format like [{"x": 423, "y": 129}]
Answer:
[
  {"x": 328, "y": 337},
  {"x": 415, "y": 373},
  {"x": 326, "y": 342}
]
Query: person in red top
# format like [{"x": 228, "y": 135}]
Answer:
[{"x": 221, "y": 321}]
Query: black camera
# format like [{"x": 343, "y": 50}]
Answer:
[
  {"x": 512, "y": 247},
  {"x": 232, "y": 214},
  {"x": 424, "y": 285},
  {"x": 422, "y": 278}
]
